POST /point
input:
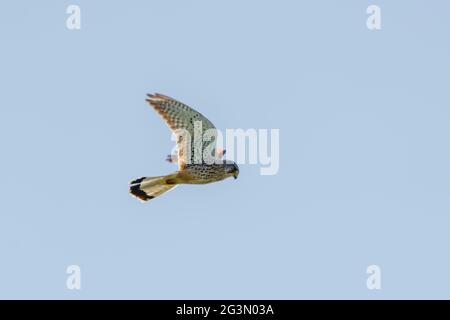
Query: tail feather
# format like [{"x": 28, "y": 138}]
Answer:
[{"x": 147, "y": 188}]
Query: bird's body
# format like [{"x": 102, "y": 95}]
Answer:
[
  {"x": 184, "y": 121},
  {"x": 202, "y": 173}
]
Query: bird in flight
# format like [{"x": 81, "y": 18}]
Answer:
[{"x": 199, "y": 161}]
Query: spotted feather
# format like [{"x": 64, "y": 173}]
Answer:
[{"x": 181, "y": 118}]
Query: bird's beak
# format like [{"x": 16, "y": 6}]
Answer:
[{"x": 235, "y": 174}]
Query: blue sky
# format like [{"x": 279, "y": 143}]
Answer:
[{"x": 364, "y": 175}]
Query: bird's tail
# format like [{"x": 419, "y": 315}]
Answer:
[{"x": 147, "y": 188}]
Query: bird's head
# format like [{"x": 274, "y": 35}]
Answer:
[{"x": 231, "y": 169}]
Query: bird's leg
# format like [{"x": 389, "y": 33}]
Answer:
[{"x": 172, "y": 158}]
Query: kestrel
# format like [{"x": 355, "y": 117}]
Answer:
[{"x": 194, "y": 165}]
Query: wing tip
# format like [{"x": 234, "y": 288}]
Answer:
[
  {"x": 158, "y": 96},
  {"x": 156, "y": 99}
]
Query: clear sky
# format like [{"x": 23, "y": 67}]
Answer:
[{"x": 364, "y": 173}]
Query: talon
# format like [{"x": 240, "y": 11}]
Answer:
[{"x": 172, "y": 158}]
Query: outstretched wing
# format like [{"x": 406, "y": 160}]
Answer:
[{"x": 188, "y": 126}]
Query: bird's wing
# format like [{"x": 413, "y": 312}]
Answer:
[{"x": 185, "y": 123}]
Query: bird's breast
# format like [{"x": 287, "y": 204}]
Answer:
[{"x": 201, "y": 174}]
